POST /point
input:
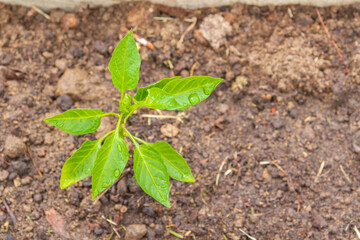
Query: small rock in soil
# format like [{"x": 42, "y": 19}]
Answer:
[
  {"x": 101, "y": 47},
  {"x": 121, "y": 208},
  {"x": 149, "y": 210},
  {"x": 135, "y": 231},
  {"x": 56, "y": 15},
  {"x": 121, "y": 187},
  {"x": 239, "y": 221},
  {"x": 277, "y": 123},
  {"x": 12, "y": 176},
  {"x": 73, "y": 82},
  {"x": 169, "y": 130},
  {"x": 150, "y": 234},
  {"x": 223, "y": 108},
  {"x": 136, "y": 16},
  {"x": 88, "y": 205},
  {"x": 14, "y": 147},
  {"x": 26, "y": 180},
  {"x": 98, "y": 231},
  {"x": 159, "y": 229},
  {"x": 293, "y": 113},
  {"x": 214, "y": 28},
  {"x": 70, "y": 20},
  {"x": 61, "y": 63},
  {"x": 4, "y": 174},
  {"x": 65, "y": 102},
  {"x": 133, "y": 185},
  {"x": 35, "y": 215},
  {"x": 318, "y": 221},
  {"x": 21, "y": 168},
  {"x": 38, "y": 197}
]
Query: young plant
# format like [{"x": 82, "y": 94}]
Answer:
[{"x": 106, "y": 158}]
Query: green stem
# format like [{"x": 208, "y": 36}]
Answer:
[
  {"x": 140, "y": 140},
  {"x": 131, "y": 137},
  {"x": 107, "y": 134},
  {"x": 111, "y": 113}
]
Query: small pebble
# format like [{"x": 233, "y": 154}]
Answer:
[
  {"x": 26, "y": 180},
  {"x": 135, "y": 231},
  {"x": 64, "y": 102},
  {"x": 277, "y": 123},
  {"x": 37, "y": 198},
  {"x": 101, "y": 47},
  {"x": 169, "y": 130},
  {"x": 98, "y": 231},
  {"x": 14, "y": 147},
  {"x": 149, "y": 210},
  {"x": 4, "y": 174}
]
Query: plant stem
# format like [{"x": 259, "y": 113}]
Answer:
[
  {"x": 140, "y": 140},
  {"x": 107, "y": 134},
  {"x": 131, "y": 137},
  {"x": 111, "y": 113}
]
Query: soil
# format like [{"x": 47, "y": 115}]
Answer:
[{"x": 274, "y": 150}]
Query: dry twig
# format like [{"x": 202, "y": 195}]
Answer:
[
  {"x": 332, "y": 40},
  {"x": 13, "y": 218}
]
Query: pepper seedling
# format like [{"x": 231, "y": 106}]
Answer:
[{"x": 106, "y": 158}]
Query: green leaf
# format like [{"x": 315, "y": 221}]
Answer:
[
  {"x": 179, "y": 94},
  {"x": 124, "y": 64},
  {"x": 125, "y": 104},
  {"x": 175, "y": 164},
  {"x": 142, "y": 93},
  {"x": 109, "y": 164},
  {"x": 151, "y": 174},
  {"x": 80, "y": 164},
  {"x": 77, "y": 121}
]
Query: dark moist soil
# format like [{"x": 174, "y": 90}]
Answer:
[{"x": 274, "y": 150}]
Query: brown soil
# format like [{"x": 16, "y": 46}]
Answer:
[{"x": 255, "y": 146}]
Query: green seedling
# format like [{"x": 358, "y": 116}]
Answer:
[{"x": 106, "y": 158}]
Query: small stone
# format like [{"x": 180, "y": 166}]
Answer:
[
  {"x": 61, "y": 63},
  {"x": 293, "y": 113},
  {"x": 318, "y": 221},
  {"x": 74, "y": 83},
  {"x": 149, "y": 210},
  {"x": 135, "y": 231},
  {"x": 70, "y": 20},
  {"x": 26, "y": 180},
  {"x": 266, "y": 175},
  {"x": 14, "y": 147},
  {"x": 64, "y": 102},
  {"x": 38, "y": 198},
  {"x": 150, "y": 234},
  {"x": 223, "y": 108},
  {"x": 56, "y": 15},
  {"x": 133, "y": 185},
  {"x": 277, "y": 123},
  {"x": 101, "y": 47},
  {"x": 121, "y": 208},
  {"x": 121, "y": 187},
  {"x": 21, "y": 168},
  {"x": 254, "y": 218},
  {"x": 239, "y": 221},
  {"x": 214, "y": 28},
  {"x": 159, "y": 229},
  {"x": 136, "y": 16},
  {"x": 4, "y": 174},
  {"x": 98, "y": 231},
  {"x": 230, "y": 17},
  {"x": 12, "y": 176},
  {"x": 35, "y": 215},
  {"x": 169, "y": 130},
  {"x": 88, "y": 205}
]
